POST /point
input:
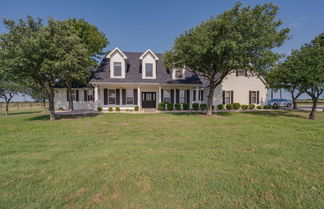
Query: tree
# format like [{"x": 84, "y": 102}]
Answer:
[
  {"x": 40, "y": 55},
  {"x": 240, "y": 38},
  {"x": 7, "y": 91},
  {"x": 286, "y": 77},
  {"x": 94, "y": 41},
  {"x": 308, "y": 63}
]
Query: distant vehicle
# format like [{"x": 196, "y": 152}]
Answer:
[{"x": 280, "y": 103}]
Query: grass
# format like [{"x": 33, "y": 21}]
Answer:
[{"x": 231, "y": 160}]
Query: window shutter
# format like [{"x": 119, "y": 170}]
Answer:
[
  {"x": 85, "y": 95},
  {"x": 250, "y": 97},
  {"x": 202, "y": 95},
  {"x": 177, "y": 95},
  {"x": 117, "y": 97},
  {"x": 135, "y": 96},
  {"x": 188, "y": 96},
  {"x": 124, "y": 96},
  {"x": 194, "y": 95},
  {"x": 93, "y": 96},
  {"x": 232, "y": 97},
  {"x": 162, "y": 91},
  {"x": 245, "y": 73},
  {"x": 105, "y": 96},
  {"x": 67, "y": 95},
  {"x": 236, "y": 73},
  {"x": 223, "y": 97},
  {"x": 172, "y": 95},
  {"x": 258, "y": 93},
  {"x": 77, "y": 95}
]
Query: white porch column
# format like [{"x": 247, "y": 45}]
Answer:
[
  {"x": 197, "y": 95},
  {"x": 121, "y": 96},
  {"x": 139, "y": 101},
  {"x": 175, "y": 96},
  {"x": 159, "y": 95},
  {"x": 96, "y": 97}
]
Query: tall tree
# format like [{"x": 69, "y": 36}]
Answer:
[
  {"x": 308, "y": 63},
  {"x": 7, "y": 91},
  {"x": 40, "y": 55},
  {"x": 286, "y": 77},
  {"x": 94, "y": 41},
  {"x": 240, "y": 38}
]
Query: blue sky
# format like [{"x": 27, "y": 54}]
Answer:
[{"x": 136, "y": 25}]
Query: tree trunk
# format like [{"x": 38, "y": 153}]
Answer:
[
  {"x": 294, "y": 103},
  {"x": 7, "y": 107},
  {"x": 312, "y": 114},
  {"x": 271, "y": 94},
  {"x": 280, "y": 94},
  {"x": 51, "y": 107},
  {"x": 209, "y": 111},
  {"x": 69, "y": 89}
]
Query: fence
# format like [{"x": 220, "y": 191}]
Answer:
[{"x": 14, "y": 106}]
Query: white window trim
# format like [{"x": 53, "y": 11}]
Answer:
[
  {"x": 144, "y": 70},
  {"x": 111, "y": 97},
  {"x": 174, "y": 74}
]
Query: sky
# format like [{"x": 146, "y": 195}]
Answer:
[{"x": 136, "y": 25}]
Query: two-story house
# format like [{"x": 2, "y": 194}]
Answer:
[{"x": 129, "y": 79}]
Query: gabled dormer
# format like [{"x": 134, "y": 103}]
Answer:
[
  {"x": 117, "y": 63},
  {"x": 148, "y": 60},
  {"x": 178, "y": 74}
]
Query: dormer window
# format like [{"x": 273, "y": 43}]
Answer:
[
  {"x": 117, "y": 69},
  {"x": 241, "y": 73},
  {"x": 178, "y": 73},
  {"x": 149, "y": 70}
]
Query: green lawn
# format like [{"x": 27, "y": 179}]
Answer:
[{"x": 231, "y": 160}]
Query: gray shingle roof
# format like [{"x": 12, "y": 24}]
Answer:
[{"x": 134, "y": 72}]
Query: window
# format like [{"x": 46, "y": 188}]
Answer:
[
  {"x": 166, "y": 96},
  {"x": 74, "y": 96},
  {"x": 88, "y": 95},
  {"x": 178, "y": 73},
  {"x": 182, "y": 96},
  {"x": 112, "y": 96},
  {"x": 149, "y": 70},
  {"x": 117, "y": 69},
  {"x": 240, "y": 73},
  {"x": 129, "y": 96},
  {"x": 228, "y": 97},
  {"x": 201, "y": 95},
  {"x": 253, "y": 97}
]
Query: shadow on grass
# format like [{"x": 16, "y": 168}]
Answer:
[
  {"x": 22, "y": 113},
  {"x": 288, "y": 114},
  {"x": 59, "y": 117}
]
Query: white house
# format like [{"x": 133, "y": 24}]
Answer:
[{"x": 129, "y": 79}]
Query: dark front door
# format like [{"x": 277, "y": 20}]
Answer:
[{"x": 148, "y": 99}]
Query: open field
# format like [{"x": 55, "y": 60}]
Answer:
[
  {"x": 19, "y": 106},
  {"x": 231, "y": 160}
]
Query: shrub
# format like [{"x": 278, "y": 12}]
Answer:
[
  {"x": 266, "y": 107},
  {"x": 195, "y": 106},
  {"x": 229, "y": 106},
  {"x": 251, "y": 106},
  {"x": 213, "y": 107},
  {"x": 170, "y": 106},
  {"x": 117, "y": 109},
  {"x": 136, "y": 108},
  {"x": 99, "y": 109},
  {"x": 275, "y": 107},
  {"x": 244, "y": 107},
  {"x": 185, "y": 106},
  {"x": 110, "y": 109},
  {"x": 220, "y": 107},
  {"x": 202, "y": 106},
  {"x": 259, "y": 107},
  {"x": 127, "y": 110},
  {"x": 161, "y": 106},
  {"x": 177, "y": 106},
  {"x": 236, "y": 106},
  {"x": 61, "y": 108}
]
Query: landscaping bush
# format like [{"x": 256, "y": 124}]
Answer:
[
  {"x": 110, "y": 109},
  {"x": 236, "y": 106},
  {"x": 202, "y": 106},
  {"x": 266, "y": 107},
  {"x": 117, "y": 108},
  {"x": 251, "y": 106},
  {"x": 177, "y": 106},
  {"x": 244, "y": 107},
  {"x": 61, "y": 108},
  {"x": 170, "y": 106},
  {"x": 229, "y": 106},
  {"x": 259, "y": 107},
  {"x": 195, "y": 106},
  {"x": 276, "y": 107},
  {"x": 161, "y": 106},
  {"x": 185, "y": 106},
  {"x": 220, "y": 107},
  {"x": 99, "y": 109},
  {"x": 136, "y": 108}
]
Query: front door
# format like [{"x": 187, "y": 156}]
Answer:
[{"x": 148, "y": 99}]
